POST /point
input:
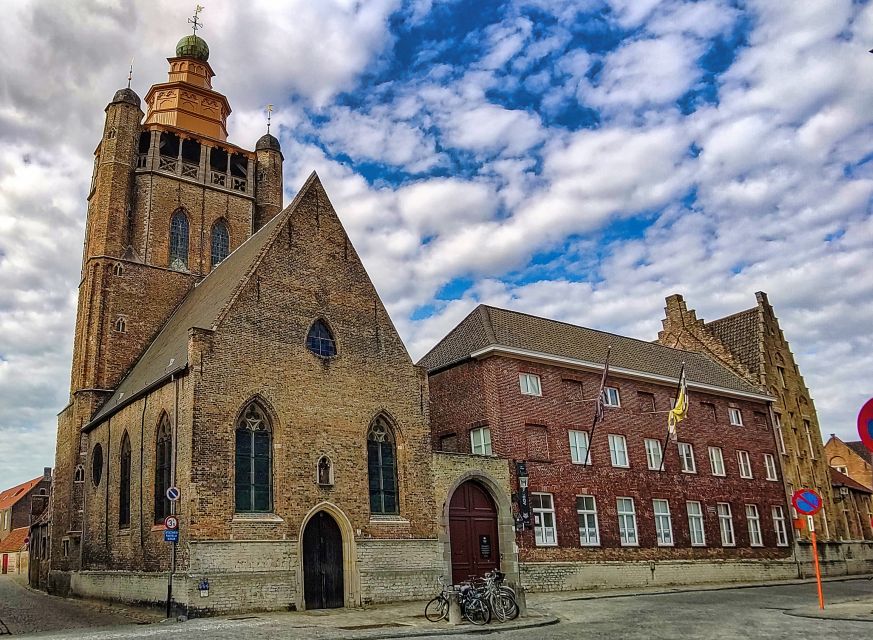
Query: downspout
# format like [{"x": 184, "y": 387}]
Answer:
[
  {"x": 141, "y": 453},
  {"x": 106, "y": 490}
]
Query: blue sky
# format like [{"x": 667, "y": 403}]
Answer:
[{"x": 575, "y": 159}]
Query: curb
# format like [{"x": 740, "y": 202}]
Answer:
[
  {"x": 717, "y": 587},
  {"x": 464, "y": 629}
]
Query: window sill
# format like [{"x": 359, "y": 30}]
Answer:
[
  {"x": 698, "y": 546},
  {"x": 270, "y": 518},
  {"x": 630, "y": 544},
  {"x": 158, "y": 527},
  {"x": 545, "y": 544},
  {"x": 124, "y": 532},
  {"x": 388, "y": 520}
]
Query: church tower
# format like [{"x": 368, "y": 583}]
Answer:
[{"x": 170, "y": 199}]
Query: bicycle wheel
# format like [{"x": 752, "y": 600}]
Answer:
[
  {"x": 477, "y": 611},
  {"x": 437, "y": 609},
  {"x": 504, "y": 605}
]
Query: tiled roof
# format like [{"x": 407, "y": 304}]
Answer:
[
  {"x": 14, "y": 542},
  {"x": 841, "y": 479},
  {"x": 168, "y": 352},
  {"x": 16, "y": 493},
  {"x": 858, "y": 447},
  {"x": 491, "y": 326},
  {"x": 740, "y": 332}
]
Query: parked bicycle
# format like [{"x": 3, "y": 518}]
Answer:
[
  {"x": 474, "y": 607},
  {"x": 500, "y": 597}
]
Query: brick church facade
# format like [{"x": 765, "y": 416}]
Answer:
[{"x": 238, "y": 351}]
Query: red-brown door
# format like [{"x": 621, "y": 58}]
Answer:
[
  {"x": 322, "y": 563},
  {"x": 473, "y": 532},
  {"x": 5, "y": 562}
]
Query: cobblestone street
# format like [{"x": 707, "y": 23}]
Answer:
[{"x": 25, "y": 611}]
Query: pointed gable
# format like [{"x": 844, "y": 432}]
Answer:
[{"x": 202, "y": 308}]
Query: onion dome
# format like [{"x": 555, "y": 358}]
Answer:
[
  {"x": 193, "y": 47},
  {"x": 268, "y": 142},
  {"x": 127, "y": 95}
]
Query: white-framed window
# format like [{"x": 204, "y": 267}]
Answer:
[
  {"x": 779, "y": 527},
  {"x": 627, "y": 522},
  {"x": 781, "y": 372},
  {"x": 618, "y": 450},
  {"x": 653, "y": 454},
  {"x": 579, "y": 447},
  {"x": 716, "y": 461},
  {"x": 663, "y": 526},
  {"x": 754, "y": 521},
  {"x": 543, "y": 507},
  {"x": 726, "y": 524},
  {"x": 686, "y": 458},
  {"x": 806, "y": 428},
  {"x": 744, "y": 464},
  {"x": 530, "y": 384},
  {"x": 480, "y": 441},
  {"x": 586, "y": 509},
  {"x": 735, "y": 417},
  {"x": 611, "y": 397},
  {"x": 779, "y": 439},
  {"x": 695, "y": 523},
  {"x": 770, "y": 467}
]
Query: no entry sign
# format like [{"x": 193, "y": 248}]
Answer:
[
  {"x": 865, "y": 424},
  {"x": 806, "y": 501}
]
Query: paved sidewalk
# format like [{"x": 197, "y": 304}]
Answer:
[{"x": 858, "y": 611}]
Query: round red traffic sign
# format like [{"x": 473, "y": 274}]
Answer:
[
  {"x": 171, "y": 522},
  {"x": 865, "y": 424},
  {"x": 806, "y": 501}
]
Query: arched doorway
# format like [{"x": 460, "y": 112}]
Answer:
[
  {"x": 322, "y": 563},
  {"x": 473, "y": 532}
]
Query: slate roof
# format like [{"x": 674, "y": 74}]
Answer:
[
  {"x": 486, "y": 326},
  {"x": 858, "y": 447},
  {"x": 201, "y": 308},
  {"x": 11, "y": 496},
  {"x": 740, "y": 332},
  {"x": 841, "y": 479},
  {"x": 14, "y": 542}
]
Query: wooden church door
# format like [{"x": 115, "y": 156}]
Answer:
[
  {"x": 322, "y": 563},
  {"x": 473, "y": 532}
]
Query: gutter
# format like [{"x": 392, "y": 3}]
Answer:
[
  {"x": 496, "y": 349},
  {"x": 100, "y": 419}
]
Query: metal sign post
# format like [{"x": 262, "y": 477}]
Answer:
[
  {"x": 809, "y": 503},
  {"x": 171, "y": 534}
]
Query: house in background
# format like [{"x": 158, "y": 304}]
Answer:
[
  {"x": 13, "y": 553},
  {"x": 851, "y": 459},
  {"x": 15, "y": 503},
  {"x": 857, "y": 507}
]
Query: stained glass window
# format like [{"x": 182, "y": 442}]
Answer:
[
  {"x": 253, "y": 485},
  {"x": 220, "y": 243},
  {"x": 382, "y": 468},
  {"x": 179, "y": 241},
  {"x": 124, "y": 481},
  {"x": 320, "y": 340},
  {"x": 163, "y": 467}
]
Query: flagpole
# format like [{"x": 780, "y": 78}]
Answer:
[
  {"x": 667, "y": 437},
  {"x": 598, "y": 408}
]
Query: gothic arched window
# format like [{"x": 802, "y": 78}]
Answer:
[
  {"x": 179, "y": 241},
  {"x": 220, "y": 242},
  {"x": 163, "y": 467},
  {"x": 320, "y": 340},
  {"x": 382, "y": 467},
  {"x": 253, "y": 474},
  {"x": 124, "y": 484},
  {"x": 79, "y": 473},
  {"x": 97, "y": 464}
]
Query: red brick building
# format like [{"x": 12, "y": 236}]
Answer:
[{"x": 523, "y": 388}]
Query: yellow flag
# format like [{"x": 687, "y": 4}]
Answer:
[{"x": 680, "y": 408}]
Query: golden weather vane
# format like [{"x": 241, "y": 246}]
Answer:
[
  {"x": 269, "y": 116},
  {"x": 194, "y": 21}
]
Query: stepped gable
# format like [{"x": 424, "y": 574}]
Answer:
[
  {"x": 741, "y": 333},
  {"x": 201, "y": 308},
  {"x": 492, "y": 326}
]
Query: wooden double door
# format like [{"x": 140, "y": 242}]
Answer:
[
  {"x": 473, "y": 532},
  {"x": 323, "y": 584}
]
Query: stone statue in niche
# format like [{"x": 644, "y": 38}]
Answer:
[{"x": 325, "y": 472}]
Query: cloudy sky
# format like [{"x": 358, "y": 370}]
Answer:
[{"x": 578, "y": 159}]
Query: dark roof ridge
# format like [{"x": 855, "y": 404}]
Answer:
[
  {"x": 485, "y": 315},
  {"x": 732, "y": 315},
  {"x": 606, "y": 333}
]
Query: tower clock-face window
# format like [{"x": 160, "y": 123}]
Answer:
[
  {"x": 220, "y": 242},
  {"x": 179, "y": 241}
]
